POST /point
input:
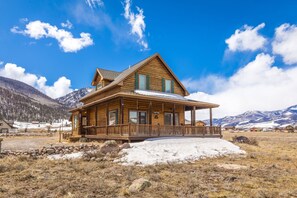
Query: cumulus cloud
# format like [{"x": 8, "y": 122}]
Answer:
[
  {"x": 136, "y": 21},
  {"x": 60, "y": 88},
  {"x": 38, "y": 30},
  {"x": 67, "y": 24},
  {"x": 284, "y": 43},
  {"x": 94, "y": 3},
  {"x": 259, "y": 85},
  {"x": 246, "y": 39}
]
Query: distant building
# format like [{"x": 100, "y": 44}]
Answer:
[
  {"x": 229, "y": 128},
  {"x": 5, "y": 127},
  {"x": 200, "y": 124},
  {"x": 289, "y": 129},
  {"x": 256, "y": 129}
]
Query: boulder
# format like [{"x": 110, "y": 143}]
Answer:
[
  {"x": 109, "y": 147},
  {"x": 125, "y": 146},
  {"x": 241, "y": 139},
  {"x": 50, "y": 151},
  {"x": 139, "y": 185}
]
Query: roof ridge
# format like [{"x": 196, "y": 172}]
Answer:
[{"x": 108, "y": 70}]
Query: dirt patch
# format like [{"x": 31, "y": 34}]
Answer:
[{"x": 271, "y": 172}]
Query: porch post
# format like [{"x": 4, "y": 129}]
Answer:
[
  {"x": 193, "y": 116},
  {"x": 210, "y": 117},
  {"x": 210, "y": 121},
  {"x": 173, "y": 111},
  {"x": 96, "y": 116},
  {"x": 107, "y": 118},
  {"x": 122, "y": 114},
  {"x": 150, "y": 117}
]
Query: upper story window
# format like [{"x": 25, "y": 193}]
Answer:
[
  {"x": 167, "y": 85},
  {"x": 99, "y": 85},
  {"x": 142, "y": 82}
]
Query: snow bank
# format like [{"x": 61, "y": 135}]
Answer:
[
  {"x": 76, "y": 155},
  {"x": 177, "y": 149}
]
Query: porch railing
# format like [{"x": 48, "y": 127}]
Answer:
[{"x": 145, "y": 130}]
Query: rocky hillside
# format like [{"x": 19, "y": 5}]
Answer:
[
  {"x": 264, "y": 119},
  {"x": 19, "y": 101},
  {"x": 71, "y": 100}
]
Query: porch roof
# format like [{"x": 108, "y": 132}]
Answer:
[{"x": 153, "y": 96}]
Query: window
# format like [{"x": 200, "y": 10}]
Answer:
[
  {"x": 1, "y": 124},
  {"x": 75, "y": 122},
  {"x": 142, "y": 82},
  {"x": 84, "y": 121},
  {"x": 168, "y": 86},
  {"x": 113, "y": 117},
  {"x": 138, "y": 117},
  {"x": 168, "y": 119},
  {"x": 99, "y": 85}
]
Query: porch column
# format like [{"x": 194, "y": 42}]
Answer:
[
  {"x": 150, "y": 117},
  {"x": 210, "y": 117},
  {"x": 193, "y": 120},
  {"x": 107, "y": 110},
  {"x": 173, "y": 111},
  {"x": 121, "y": 111},
  {"x": 96, "y": 116}
]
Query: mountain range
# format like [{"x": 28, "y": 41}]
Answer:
[
  {"x": 71, "y": 100},
  {"x": 22, "y": 102},
  {"x": 263, "y": 119}
]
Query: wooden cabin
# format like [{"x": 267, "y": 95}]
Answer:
[
  {"x": 289, "y": 129},
  {"x": 145, "y": 100},
  {"x": 200, "y": 123},
  {"x": 5, "y": 126}
]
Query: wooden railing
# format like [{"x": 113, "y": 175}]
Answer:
[{"x": 145, "y": 130}]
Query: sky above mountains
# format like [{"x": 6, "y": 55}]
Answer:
[{"x": 241, "y": 55}]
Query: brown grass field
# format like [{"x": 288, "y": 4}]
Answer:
[{"x": 271, "y": 171}]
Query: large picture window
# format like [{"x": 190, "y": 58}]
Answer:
[
  {"x": 113, "y": 117},
  {"x": 142, "y": 82},
  {"x": 137, "y": 117},
  {"x": 168, "y": 119}
]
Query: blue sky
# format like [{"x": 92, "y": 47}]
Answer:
[{"x": 190, "y": 35}]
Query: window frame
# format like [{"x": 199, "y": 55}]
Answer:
[
  {"x": 138, "y": 117},
  {"x": 145, "y": 81},
  {"x": 116, "y": 117},
  {"x": 171, "y": 119},
  {"x": 170, "y": 86}
]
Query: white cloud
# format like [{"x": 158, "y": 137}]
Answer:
[
  {"x": 136, "y": 20},
  {"x": 67, "y": 24},
  {"x": 246, "y": 39},
  {"x": 257, "y": 86},
  {"x": 285, "y": 42},
  {"x": 60, "y": 88},
  {"x": 94, "y": 3},
  {"x": 38, "y": 30}
]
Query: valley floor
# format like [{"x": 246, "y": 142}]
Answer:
[{"x": 268, "y": 170}]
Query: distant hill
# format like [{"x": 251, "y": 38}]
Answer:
[
  {"x": 71, "y": 100},
  {"x": 264, "y": 119},
  {"x": 22, "y": 102}
]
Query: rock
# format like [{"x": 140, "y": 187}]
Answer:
[
  {"x": 125, "y": 146},
  {"x": 139, "y": 185},
  {"x": 109, "y": 146},
  {"x": 50, "y": 151},
  {"x": 241, "y": 139}
]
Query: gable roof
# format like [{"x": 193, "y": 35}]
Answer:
[
  {"x": 126, "y": 73},
  {"x": 105, "y": 74},
  {"x": 11, "y": 126}
]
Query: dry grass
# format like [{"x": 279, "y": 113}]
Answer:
[{"x": 271, "y": 172}]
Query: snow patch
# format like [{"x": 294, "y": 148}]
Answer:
[
  {"x": 160, "y": 94},
  {"x": 76, "y": 155},
  {"x": 176, "y": 149}
]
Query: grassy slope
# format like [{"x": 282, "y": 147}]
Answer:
[{"x": 272, "y": 172}]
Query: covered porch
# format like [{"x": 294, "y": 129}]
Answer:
[{"x": 131, "y": 117}]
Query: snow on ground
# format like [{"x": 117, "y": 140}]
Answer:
[
  {"x": 176, "y": 149},
  {"x": 76, "y": 155},
  {"x": 43, "y": 125}
]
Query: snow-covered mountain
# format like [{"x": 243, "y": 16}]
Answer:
[
  {"x": 71, "y": 100},
  {"x": 19, "y": 101},
  {"x": 263, "y": 119}
]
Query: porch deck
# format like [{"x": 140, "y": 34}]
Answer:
[{"x": 132, "y": 132}]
